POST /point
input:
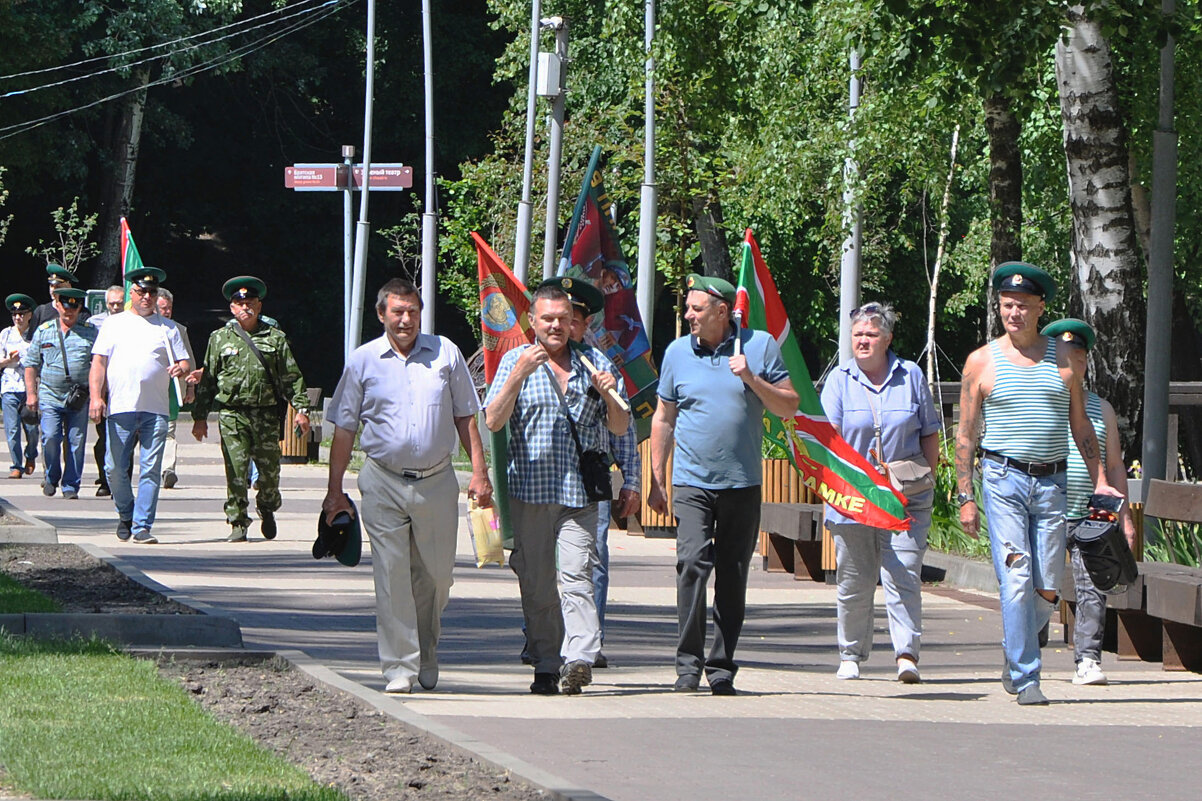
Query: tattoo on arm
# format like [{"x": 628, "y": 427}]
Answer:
[{"x": 1089, "y": 447}]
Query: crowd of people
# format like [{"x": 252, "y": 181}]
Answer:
[{"x": 1042, "y": 445}]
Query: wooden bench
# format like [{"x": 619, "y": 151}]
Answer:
[
  {"x": 1159, "y": 617},
  {"x": 794, "y": 539}
]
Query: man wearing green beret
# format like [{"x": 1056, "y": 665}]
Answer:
[
  {"x": 249, "y": 374},
  {"x": 56, "y": 379},
  {"x": 1090, "y": 622},
  {"x": 1024, "y": 390},
  {"x": 714, "y": 385},
  {"x": 14, "y": 342},
  {"x": 58, "y": 278},
  {"x": 137, "y": 354}
]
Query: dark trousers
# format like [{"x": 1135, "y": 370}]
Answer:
[
  {"x": 98, "y": 452},
  {"x": 716, "y": 532}
]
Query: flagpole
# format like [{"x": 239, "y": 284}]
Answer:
[
  {"x": 364, "y": 227},
  {"x": 555, "y": 151},
  {"x": 429, "y": 215},
  {"x": 645, "y": 290}
]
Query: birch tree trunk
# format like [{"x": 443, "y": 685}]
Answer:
[
  {"x": 939, "y": 251},
  {"x": 1108, "y": 270},
  {"x": 1005, "y": 194},
  {"x": 119, "y": 186}
]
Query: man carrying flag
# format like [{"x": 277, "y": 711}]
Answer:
[{"x": 714, "y": 386}]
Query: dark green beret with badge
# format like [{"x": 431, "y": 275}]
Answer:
[
  {"x": 1017, "y": 276},
  {"x": 56, "y": 271},
  {"x": 1073, "y": 331},
  {"x": 244, "y": 286},
  {"x": 581, "y": 292},
  {"x": 718, "y": 288},
  {"x": 19, "y": 303},
  {"x": 146, "y": 277}
]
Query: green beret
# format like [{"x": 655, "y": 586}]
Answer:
[
  {"x": 146, "y": 277},
  {"x": 244, "y": 286},
  {"x": 19, "y": 303},
  {"x": 60, "y": 272},
  {"x": 1071, "y": 329},
  {"x": 78, "y": 294},
  {"x": 723, "y": 290},
  {"x": 1017, "y": 276},
  {"x": 580, "y": 291}
]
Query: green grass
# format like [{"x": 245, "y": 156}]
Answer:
[
  {"x": 15, "y": 599},
  {"x": 80, "y": 720}
]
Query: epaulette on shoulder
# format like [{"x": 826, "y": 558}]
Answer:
[{"x": 46, "y": 326}]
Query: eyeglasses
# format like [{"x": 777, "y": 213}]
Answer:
[{"x": 141, "y": 290}]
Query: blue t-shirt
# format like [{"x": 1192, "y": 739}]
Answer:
[{"x": 719, "y": 421}]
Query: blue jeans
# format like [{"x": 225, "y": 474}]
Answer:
[
  {"x": 1027, "y": 537},
  {"x": 124, "y": 431},
  {"x": 59, "y": 422},
  {"x": 601, "y": 563},
  {"x": 13, "y": 426}
]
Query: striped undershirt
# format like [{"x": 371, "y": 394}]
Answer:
[
  {"x": 1079, "y": 485},
  {"x": 1026, "y": 412}
]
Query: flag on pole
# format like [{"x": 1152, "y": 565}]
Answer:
[
  {"x": 591, "y": 252},
  {"x": 131, "y": 260},
  {"x": 504, "y": 324},
  {"x": 828, "y": 465}
]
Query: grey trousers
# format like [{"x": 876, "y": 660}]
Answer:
[
  {"x": 716, "y": 531},
  {"x": 1090, "y": 624},
  {"x": 863, "y": 553},
  {"x": 561, "y": 621},
  {"x": 413, "y": 525}
]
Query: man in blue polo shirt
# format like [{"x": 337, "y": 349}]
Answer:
[{"x": 714, "y": 386}]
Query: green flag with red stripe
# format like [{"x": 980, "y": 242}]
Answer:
[{"x": 829, "y": 466}]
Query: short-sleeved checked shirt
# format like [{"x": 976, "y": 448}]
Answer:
[
  {"x": 626, "y": 454},
  {"x": 543, "y": 464}
]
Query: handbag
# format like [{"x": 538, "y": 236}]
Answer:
[
  {"x": 594, "y": 465},
  {"x": 76, "y": 396},
  {"x": 910, "y": 476}
]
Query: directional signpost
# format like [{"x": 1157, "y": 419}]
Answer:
[{"x": 334, "y": 178}]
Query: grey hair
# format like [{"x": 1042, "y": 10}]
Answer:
[
  {"x": 166, "y": 293},
  {"x": 881, "y": 315},
  {"x": 115, "y": 288}
]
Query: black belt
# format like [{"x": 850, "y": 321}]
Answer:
[{"x": 1033, "y": 469}]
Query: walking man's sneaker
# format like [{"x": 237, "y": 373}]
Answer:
[
  {"x": 1031, "y": 695},
  {"x": 237, "y": 534},
  {"x": 907, "y": 671},
  {"x": 125, "y": 529},
  {"x": 848, "y": 669},
  {"x": 1089, "y": 672},
  {"x": 267, "y": 526},
  {"x": 169, "y": 479},
  {"x": 48, "y": 489},
  {"x": 575, "y": 676},
  {"x": 145, "y": 537},
  {"x": 686, "y": 683},
  {"x": 70, "y": 495}
]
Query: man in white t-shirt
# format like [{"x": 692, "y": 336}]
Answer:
[{"x": 135, "y": 357}]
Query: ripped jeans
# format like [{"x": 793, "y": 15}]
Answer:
[{"x": 1027, "y": 537}]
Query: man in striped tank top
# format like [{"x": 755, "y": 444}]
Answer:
[
  {"x": 1022, "y": 389},
  {"x": 1090, "y": 623}
]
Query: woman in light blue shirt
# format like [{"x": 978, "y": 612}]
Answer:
[
  {"x": 14, "y": 341},
  {"x": 882, "y": 406}
]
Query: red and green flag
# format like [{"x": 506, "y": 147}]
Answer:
[
  {"x": 131, "y": 260},
  {"x": 591, "y": 252},
  {"x": 829, "y": 466}
]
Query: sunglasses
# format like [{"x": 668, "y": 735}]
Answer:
[
  {"x": 141, "y": 290},
  {"x": 71, "y": 303},
  {"x": 867, "y": 308}
]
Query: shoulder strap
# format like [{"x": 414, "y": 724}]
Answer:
[
  {"x": 63, "y": 346},
  {"x": 566, "y": 410},
  {"x": 275, "y": 384}
]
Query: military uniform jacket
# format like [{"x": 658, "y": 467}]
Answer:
[
  {"x": 233, "y": 376},
  {"x": 46, "y": 356}
]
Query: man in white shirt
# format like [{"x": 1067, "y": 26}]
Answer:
[{"x": 134, "y": 358}]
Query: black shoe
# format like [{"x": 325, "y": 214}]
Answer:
[
  {"x": 169, "y": 479},
  {"x": 125, "y": 529},
  {"x": 545, "y": 684},
  {"x": 722, "y": 687},
  {"x": 103, "y": 491},
  {"x": 600, "y": 662},
  {"x": 267, "y": 524},
  {"x": 686, "y": 683}
]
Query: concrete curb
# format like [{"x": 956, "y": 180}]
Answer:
[
  {"x": 133, "y": 574},
  {"x": 959, "y": 571},
  {"x": 33, "y": 531}
]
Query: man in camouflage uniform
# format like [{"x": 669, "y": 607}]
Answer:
[{"x": 234, "y": 381}]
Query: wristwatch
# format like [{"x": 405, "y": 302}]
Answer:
[{"x": 964, "y": 497}]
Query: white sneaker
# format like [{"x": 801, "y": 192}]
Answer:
[
  {"x": 907, "y": 671},
  {"x": 1089, "y": 672},
  {"x": 848, "y": 669},
  {"x": 399, "y": 685}
]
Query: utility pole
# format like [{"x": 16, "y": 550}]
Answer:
[
  {"x": 348, "y": 249},
  {"x": 552, "y": 83},
  {"x": 648, "y": 210},
  {"x": 364, "y": 227},
  {"x": 849, "y": 273},
  {"x": 429, "y": 215},
  {"x": 521, "y": 249}
]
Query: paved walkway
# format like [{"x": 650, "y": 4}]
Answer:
[{"x": 795, "y": 732}]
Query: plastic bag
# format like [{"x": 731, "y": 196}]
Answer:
[{"x": 485, "y": 528}]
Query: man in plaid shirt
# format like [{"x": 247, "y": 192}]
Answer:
[{"x": 551, "y": 513}]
